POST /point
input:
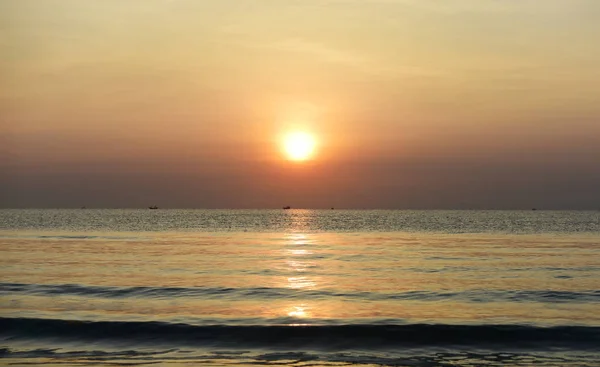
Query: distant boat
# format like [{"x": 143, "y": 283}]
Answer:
[
  {"x": 287, "y": 207},
  {"x": 153, "y": 207},
  {"x": 534, "y": 209}
]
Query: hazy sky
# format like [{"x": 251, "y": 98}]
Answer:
[{"x": 413, "y": 103}]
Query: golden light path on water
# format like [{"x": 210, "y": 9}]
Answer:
[{"x": 298, "y": 263}]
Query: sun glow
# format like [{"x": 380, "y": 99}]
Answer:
[{"x": 299, "y": 146}]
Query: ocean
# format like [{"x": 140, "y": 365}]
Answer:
[{"x": 299, "y": 288}]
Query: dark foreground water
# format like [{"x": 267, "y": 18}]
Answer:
[{"x": 299, "y": 288}]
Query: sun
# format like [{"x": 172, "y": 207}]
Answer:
[{"x": 299, "y": 146}]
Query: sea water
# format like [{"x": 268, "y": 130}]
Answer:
[{"x": 300, "y": 287}]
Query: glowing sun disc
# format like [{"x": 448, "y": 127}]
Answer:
[{"x": 299, "y": 146}]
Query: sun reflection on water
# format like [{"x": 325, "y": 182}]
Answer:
[
  {"x": 298, "y": 265},
  {"x": 300, "y": 283},
  {"x": 300, "y": 252},
  {"x": 300, "y": 311}
]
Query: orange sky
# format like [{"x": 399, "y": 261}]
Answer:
[{"x": 413, "y": 103}]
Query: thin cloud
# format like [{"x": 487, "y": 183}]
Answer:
[
  {"x": 474, "y": 6},
  {"x": 346, "y": 58}
]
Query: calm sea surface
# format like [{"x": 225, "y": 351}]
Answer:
[{"x": 300, "y": 288}]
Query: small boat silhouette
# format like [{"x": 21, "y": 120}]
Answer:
[
  {"x": 287, "y": 207},
  {"x": 153, "y": 207}
]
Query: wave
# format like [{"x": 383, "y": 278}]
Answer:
[
  {"x": 86, "y": 237},
  {"x": 479, "y": 296},
  {"x": 299, "y": 358},
  {"x": 72, "y": 237},
  {"x": 338, "y": 337},
  {"x": 347, "y": 221}
]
